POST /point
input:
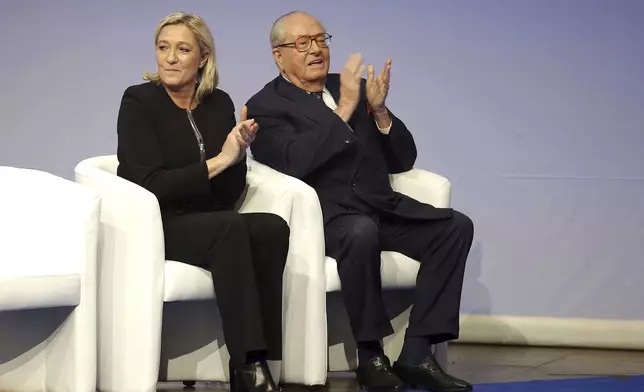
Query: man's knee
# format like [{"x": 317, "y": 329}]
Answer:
[
  {"x": 359, "y": 248},
  {"x": 362, "y": 234},
  {"x": 353, "y": 237},
  {"x": 463, "y": 225}
]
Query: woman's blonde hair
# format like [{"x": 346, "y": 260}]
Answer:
[{"x": 208, "y": 77}]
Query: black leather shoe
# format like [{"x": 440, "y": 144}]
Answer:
[
  {"x": 430, "y": 376},
  {"x": 254, "y": 377},
  {"x": 377, "y": 375}
]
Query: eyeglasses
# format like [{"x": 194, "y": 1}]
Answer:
[{"x": 304, "y": 43}]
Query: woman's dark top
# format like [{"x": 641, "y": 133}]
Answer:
[{"x": 159, "y": 149}]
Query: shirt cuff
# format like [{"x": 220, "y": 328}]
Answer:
[{"x": 383, "y": 130}]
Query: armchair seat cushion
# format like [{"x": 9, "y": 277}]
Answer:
[
  {"x": 397, "y": 272},
  {"x": 35, "y": 292},
  {"x": 185, "y": 282}
]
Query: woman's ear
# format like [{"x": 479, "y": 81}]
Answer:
[{"x": 204, "y": 60}]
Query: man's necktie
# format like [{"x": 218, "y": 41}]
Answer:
[{"x": 318, "y": 95}]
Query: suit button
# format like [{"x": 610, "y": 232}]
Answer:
[{"x": 347, "y": 141}]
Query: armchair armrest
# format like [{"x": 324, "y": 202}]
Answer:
[
  {"x": 131, "y": 271},
  {"x": 267, "y": 191},
  {"x": 423, "y": 186},
  {"x": 304, "y": 316}
]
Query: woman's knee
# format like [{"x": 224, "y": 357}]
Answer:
[
  {"x": 231, "y": 221},
  {"x": 272, "y": 232},
  {"x": 270, "y": 226},
  {"x": 269, "y": 232},
  {"x": 277, "y": 225}
]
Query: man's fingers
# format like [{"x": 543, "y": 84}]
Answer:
[
  {"x": 360, "y": 71},
  {"x": 354, "y": 62},
  {"x": 384, "y": 74},
  {"x": 381, "y": 77},
  {"x": 387, "y": 70},
  {"x": 370, "y": 73}
]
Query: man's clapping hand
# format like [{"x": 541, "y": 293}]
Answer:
[
  {"x": 377, "y": 88},
  {"x": 350, "y": 79}
]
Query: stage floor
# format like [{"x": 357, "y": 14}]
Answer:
[{"x": 481, "y": 364}]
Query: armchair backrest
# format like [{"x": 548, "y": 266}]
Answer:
[
  {"x": 46, "y": 223},
  {"x": 107, "y": 163}
]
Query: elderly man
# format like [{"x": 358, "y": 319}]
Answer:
[{"x": 336, "y": 133}]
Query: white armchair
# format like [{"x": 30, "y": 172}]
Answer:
[
  {"x": 154, "y": 319},
  {"x": 398, "y": 277},
  {"x": 48, "y": 237}
]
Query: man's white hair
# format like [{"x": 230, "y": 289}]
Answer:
[{"x": 277, "y": 31}]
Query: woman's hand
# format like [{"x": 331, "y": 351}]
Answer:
[
  {"x": 246, "y": 129},
  {"x": 239, "y": 138},
  {"x": 234, "y": 148}
]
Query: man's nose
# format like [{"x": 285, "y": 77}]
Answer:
[{"x": 315, "y": 48}]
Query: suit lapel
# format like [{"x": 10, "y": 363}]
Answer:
[
  {"x": 333, "y": 85},
  {"x": 308, "y": 105}
]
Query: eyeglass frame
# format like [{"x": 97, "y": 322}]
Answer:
[{"x": 311, "y": 38}]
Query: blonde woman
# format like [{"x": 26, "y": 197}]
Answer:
[{"x": 178, "y": 138}]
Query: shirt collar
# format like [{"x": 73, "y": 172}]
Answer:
[{"x": 324, "y": 90}]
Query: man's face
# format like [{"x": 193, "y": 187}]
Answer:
[{"x": 306, "y": 66}]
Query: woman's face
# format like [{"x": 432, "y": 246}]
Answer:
[{"x": 178, "y": 57}]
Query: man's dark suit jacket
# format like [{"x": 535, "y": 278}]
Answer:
[{"x": 348, "y": 166}]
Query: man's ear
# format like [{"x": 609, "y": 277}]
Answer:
[{"x": 277, "y": 56}]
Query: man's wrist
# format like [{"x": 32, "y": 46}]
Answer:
[
  {"x": 380, "y": 109},
  {"x": 343, "y": 111},
  {"x": 382, "y": 117}
]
